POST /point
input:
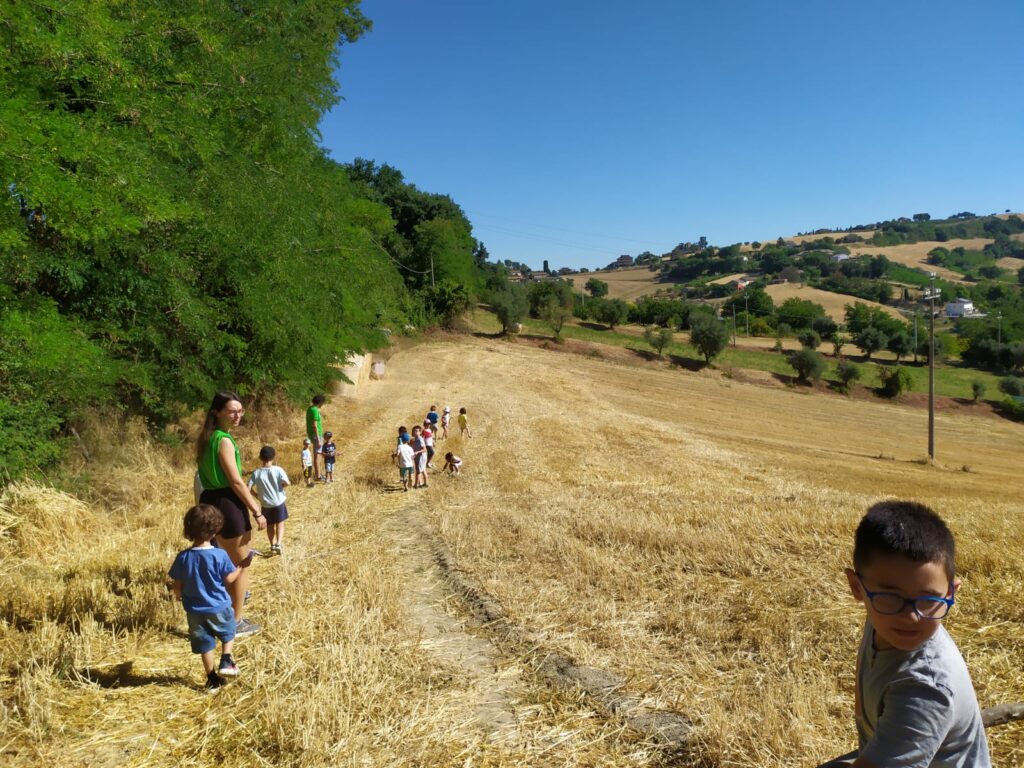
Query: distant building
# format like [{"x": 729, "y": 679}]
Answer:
[
  {"x": 624, "y": 261},
  {"x": 962, "y": 308},
  {"x": 740, "y": 284},
  {"x": 566, "y": 271},
  {"x": 839, "y": 256}
]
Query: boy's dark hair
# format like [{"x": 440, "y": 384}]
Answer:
[
  {"x": 402, "y": 430},
  {"x": 449, "y": 456},
  {"x": 462, "y": 410},
  {"x": 267, "y": 453},
  {"x": 203, "y": 521},
  {"x": 318, "y": 399},
  {"x": 904, "y": 528}
]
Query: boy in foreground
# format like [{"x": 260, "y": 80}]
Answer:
[
  {"x": 199, "y": 576},
  {"x": 915, "y": 704}
]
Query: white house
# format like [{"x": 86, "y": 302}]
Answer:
[
  {"x": 962, "y": 308},
  {"x": 839, "y": 256}
]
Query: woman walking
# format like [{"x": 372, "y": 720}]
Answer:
[{"x": 220, "y": 471}]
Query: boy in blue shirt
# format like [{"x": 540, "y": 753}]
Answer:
[
  {"x": 199, "y": 575},
  {"x": 915, "y": 704}
]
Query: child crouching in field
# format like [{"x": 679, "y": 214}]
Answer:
[
  {"x": 200, "y": 575},
  {"x": 915, "y": 704},
  {"x": 270, "y": 482},
  {"x": 452, "y": 464}
]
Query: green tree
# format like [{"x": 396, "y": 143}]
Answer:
[
  {"x": 870, "y": 340},
  {"x": 809, "y": 339},
  {"x": 555, "y": 314},
  {"x": 900, "y": 344},
  {"x": 597, "y": 288},
  {"x": 510, "y": 305},
  {"x": 449, "y": 300},
  {"x": 611, "y": 312},
  {"x": 895, "y": 381},
  {"x": 800, "y": 313},
  {"x": 837, "y": 340},
  {"x": 657, "y": 337},
  {"x": 978, "y": 388},
  {"x": 708, "y": 335},
  {"x": 808, "y": 364},
  {"x": 847, "y": 373}
]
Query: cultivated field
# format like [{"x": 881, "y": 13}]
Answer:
[
  {"x": 916, "y": 254},
  {"x": 628, "y": 284},
  {"x": 681, "y": 530},
  {"x": 833, "y": 303}
]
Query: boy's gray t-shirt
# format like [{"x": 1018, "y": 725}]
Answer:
[
  {"x": 267, "y": 482},
  {"x": 918, "y": 708}
]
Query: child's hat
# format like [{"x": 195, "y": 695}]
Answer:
[
  {"x": 307, "y": 441},
  {"x": 328, "y": 435},
  {"x": 447, "y": 409}
]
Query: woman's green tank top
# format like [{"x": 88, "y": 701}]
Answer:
[{"x": 211, "y": 474}]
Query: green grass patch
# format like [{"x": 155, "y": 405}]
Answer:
[{"x": 950, "y": 380}]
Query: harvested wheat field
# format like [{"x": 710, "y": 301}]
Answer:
[
  {"x": 916, "y": 254},
  {"x": 672, "y": 542},
  {"x": 834, "y": 304},
  {"x": 629, "y": 283}
]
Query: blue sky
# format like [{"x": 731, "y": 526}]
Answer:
[{"x": 576, "y": 131}]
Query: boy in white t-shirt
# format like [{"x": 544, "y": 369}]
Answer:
[
  {"x": 428, "y": 438},
  {"x": 404, "y": 455},
  {"x": 269, "y": 482},
  {"x": 307, "y": 462}
]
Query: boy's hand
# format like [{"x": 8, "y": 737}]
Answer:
[{"x": 247, "y": 561}]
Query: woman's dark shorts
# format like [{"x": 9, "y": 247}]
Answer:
[
  {"x": 236, "y": 516},
  {"x": 276, "y": 514}
]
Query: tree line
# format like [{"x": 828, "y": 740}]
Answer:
[{"x": 170, "y": 225}]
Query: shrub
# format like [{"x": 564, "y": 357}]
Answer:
[
  {"x": 611, "y": 312},
  {"x": 824, "y": 326},
  {"x": 708, "y": 335},
  {"x": 978, "y": 389},
  {"x": 837, "y": 340},
  {"x": 1012, "y": 386},
  {"x": 809, "y": 339},
  {"x": 847, "y": 373},
  {"x": 760, "y": 327},
  {"x": 895, "y": 381},
  {"x": 659, "y": 338},
  {"x": 808, "y": 364}
]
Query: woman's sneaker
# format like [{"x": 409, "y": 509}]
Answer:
[{"x": 227, "y": 667}]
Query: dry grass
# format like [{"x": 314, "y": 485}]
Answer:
[
  {"x": 916, "y": 254},
  {"x": 834, "y": 303},
  {"x": 683, "y": 530},
  {"x": 628, "y": 284}
]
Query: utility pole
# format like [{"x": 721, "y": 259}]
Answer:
[
  {"x": 999, "y": 328},
  {"x": 746, "y": 311},
  {"x": 734, "y": 326},
  {"x": 432, "y": 286},
  {"x": 931, "y": 367},
  {"x": 915, "y": 335}
]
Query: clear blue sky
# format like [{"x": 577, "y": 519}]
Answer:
[{"x": 578, "y": 130}]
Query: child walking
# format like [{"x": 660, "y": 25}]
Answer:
[
  {"x": 307, "y": 462},
  {"x": 428, "y": 438},
  {"x": 330, "y": 452},
  {"x": 446, "y": 419},
  {"x": 452, "y": 464},
  {"x": 269, "y": 481},
  {"x": 419, "y": 452},
  {"x": 464, "y": 423},
  {"x": 915, "y": 701},
  {"x": 199, "y": 578},
  {"x": 404, "y": 456}
]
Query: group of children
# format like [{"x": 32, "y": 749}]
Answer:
[
  {"x": 414, "y": 451},
  {"x": 915, "y": 702}
]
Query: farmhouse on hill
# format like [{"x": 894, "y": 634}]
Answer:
[{"x": 962, "y": 308}]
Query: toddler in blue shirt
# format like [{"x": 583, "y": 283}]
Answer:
[{"x": 199, "y": 576}]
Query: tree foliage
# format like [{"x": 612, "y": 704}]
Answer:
[
  {"x": 708, "y": 335},
  {"x": 597, "y": 288},
  {"x": 658, "y": 338},
  {"x": 169, "y": 221},
  {"x": 808, "y": 364}
]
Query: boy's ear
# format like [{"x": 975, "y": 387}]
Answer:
[
  {"x": 956, "y": 585},
  {"x": 855, "y": 586}
]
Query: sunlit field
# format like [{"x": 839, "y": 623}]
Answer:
[{"x": 681, "y": 530}]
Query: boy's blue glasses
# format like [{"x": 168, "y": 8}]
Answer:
[{"x": 889, "y": 603}]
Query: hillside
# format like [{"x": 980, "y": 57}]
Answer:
[{"x": 649, "y": 524}]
